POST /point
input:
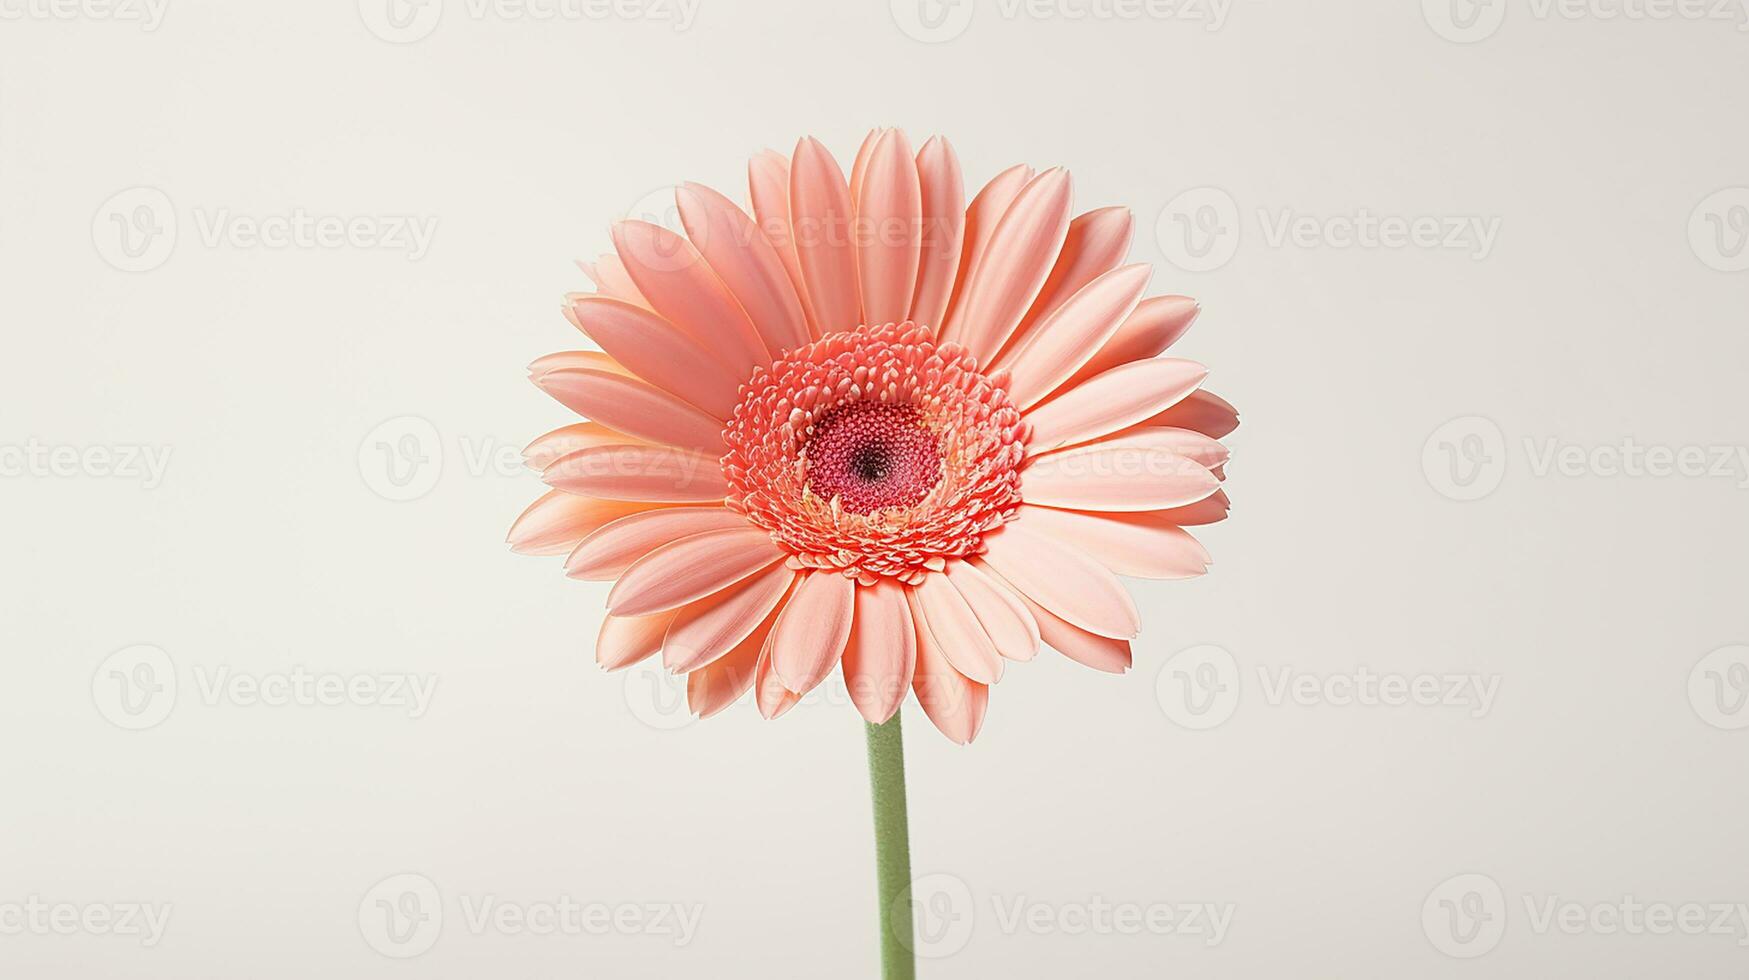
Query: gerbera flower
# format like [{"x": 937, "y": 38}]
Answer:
[{"x": 870, "y": 426}]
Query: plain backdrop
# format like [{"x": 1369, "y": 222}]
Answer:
[{"x": 1434, "y": 483}]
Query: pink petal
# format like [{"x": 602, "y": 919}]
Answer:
[
  {"x": 712, "y": 627},
  {"x": 747, "y": 263},
  {"x": 1157, "y": 323},
  {"x": 982, "y": 215},
  {"x": 626, "y": 640},
  {"x": 1207, "y": 511},
  {"x": 1008, "y": 275},
  {"x": 553, "y": 524},
  {"x": 1203, "y": 411},
  {"x": 1095, "y": 244},
  {"x": 999, "y": 611},
  {"x": 956, "y": 627},
  {"x": 574, "y": 360},
  {"x": 772, "y": 697},
  {"x": 1069, "y": 335},
  {"x": 1063, "y": 579},
  {"x": 1087, "y": 649},
  {"x": 1121, "y": 397},
  {"x": 953, "y": 702},
  {"x": 660, "y": 353},
  {"x": 1189, "y": 443},
  {"x": 720, "y": 683},
  {"x": 881, "y": 655},
  {"x": 691, "y": 568},
  {"x": 565, "y": 440},
  {"x": 1105, "y": 477},
  {"x": 812, "y": 630},
  {"x": 820, "y": 214},
  {"x": 653, "y": 473},
  {"x": 768, "y": 188},
  {"x": 682, "y": 288},
  {"x": 1144, "y": 545},
  {"x": 889, "y": 227},
  {"x": 943, "y": 204},
  {"x": 634, "y": 407},
  {"x": 611, "y": 549},
  {"x": 859, "y": 166},
  {"x": 611, "y": 280}
]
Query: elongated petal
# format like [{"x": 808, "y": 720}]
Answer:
[
  {"x": 1121, "y": 397},
  {"x": 1095, "y": 244},
  {"x": 1101, "y": 477},
  {"x": 553, "y": 524},
  {"x": 1144, "y": 545},
  {"x": 954, "y": 703},
  {"x": 768, "y": 692},
  {"x": 747, "y": 263},
  {"x": 1157, "y": 323},
  {"x": 1203, "y": 411},
  {"x": 1072, "y": 333},
  {"x": 1063, "y": 579},
  {"x": 768, "y": 189},
  {"x": 889, "y": 227},
  {"x": 612, "y": 548},
  {"x": 660, "y": 353},
  {"x": 635, "y": 408},
  {"x": 574, "y": 360},
  {"x": 611, "y": 280},
  {"x": 982, "y": 215},
  {"x": 999, "y": 610},
  {"x": 859, "y": 165},
  {"x": 714, "y": 626},
  {"x": 944, "y": 216},
  {"x": 1207, "y": 511},
  {"x": 682, "y": 288},
  {"x": 649, "y": 473},
  {"x": 1189, "y": 443},
  {"x": 565, "y": 440},
  {"x": 1007, "y": 277},
  {"x": 812, "y": 630},
  {"x": 691, "y": 568},
  {"x": 881, "y": 655},
  {"x": 720, "y": 683},
  {"x": 963, "y": 640},
  {"x": 820, "y": 216},
  {"x": 626, "y": 640}
]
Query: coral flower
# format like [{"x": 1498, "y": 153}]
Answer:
[{"x": 874, "y": 427}]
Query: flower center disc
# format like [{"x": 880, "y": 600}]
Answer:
[{"x": 873, "y": 455}]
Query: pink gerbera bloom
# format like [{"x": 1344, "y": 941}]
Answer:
[{"x": 869, "y": 425}]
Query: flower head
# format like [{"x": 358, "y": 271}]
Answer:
[{"x": 872, "y": 427}]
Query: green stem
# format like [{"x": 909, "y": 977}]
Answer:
[{"x": 886, "y": 770}]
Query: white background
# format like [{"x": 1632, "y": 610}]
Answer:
[{"x": 1606, "y": 767}]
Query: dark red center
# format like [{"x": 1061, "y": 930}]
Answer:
[{"x": 873, "y": 455}]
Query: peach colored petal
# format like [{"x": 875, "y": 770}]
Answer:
[
  {"x": 1063, "y": 579},
  {"x": 565, "y": 440},
  {"x": 713, "y": 626},
  {"x": 1203, "y": 411},
  {"x": 956, "y": 627},
  {"x": 859, "y": 165},
  {"x": 1001, "y": 613},
  {"x": 651, "y": 473},
  {"x": 691, "y": 568},
  {"x": 954, "y": 703},
  {"x": 613, "y": 547},
  {"x": 660, "y": 353},
  {"x": 626, "y": 640},
  {"x": 554, "y": 523},
  {"x": 986, "y": 209},
  {"x": 579, "y": 360},
  {"x": 1205, "y": 450},
  {"x": 1157, "y": 323},
  {"x": 720, "y": 683},
  {"x": 1095, "y": 244},
  {"x": 1121, "y": 397},
  {"x": 611, "y": 280},
  {"x": 889, "y": 226},
  {"x": 773, "y": 698},
  {"x": 943, "y": 201},
  {"x": 1008, "y": 275},
  {"x": 820, "y": 216},
  {"x": 1144, "y": 545},
  {"x": 634, "y": 407},
  {"x": 1207, "y": 511},
  {"x": 1070, "y": 334},
  {"x": 768, "y": 189},
  {"x": 881, "y": 655},
  {"x": 812, "y": 630},
  {"x": 682, "y": 288},
  {"x": 1116, "y": 477},
  {"x": 747, "y": 263}
]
